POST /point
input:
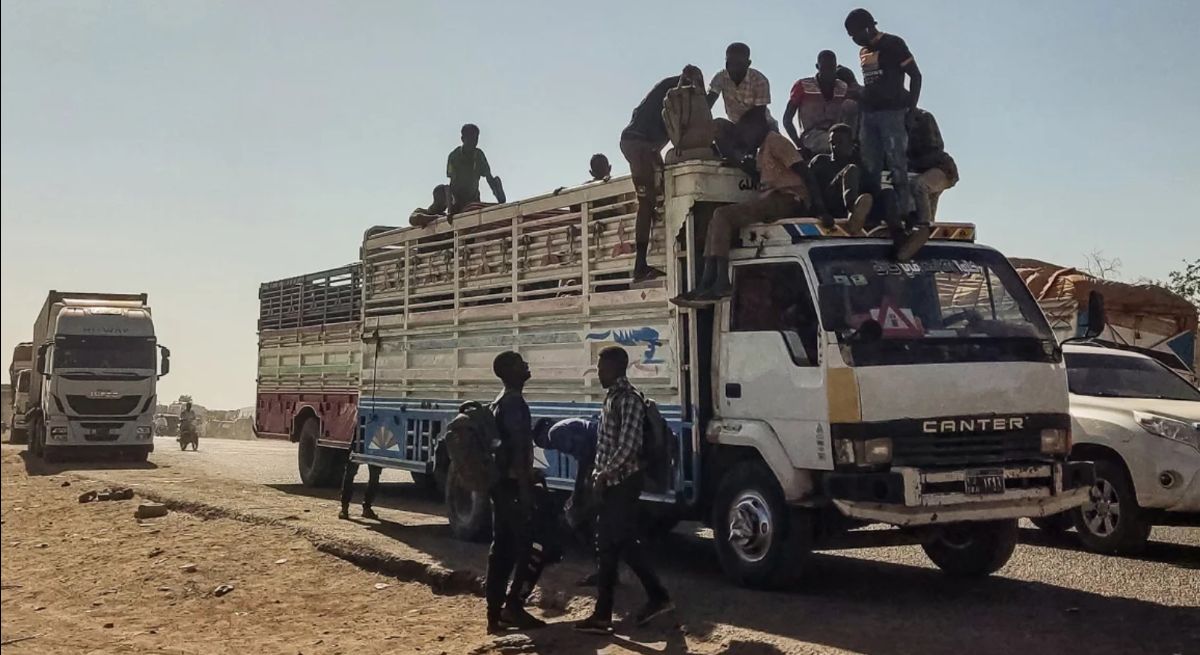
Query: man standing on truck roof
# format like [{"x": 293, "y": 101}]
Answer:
[
  {"x": 885, "y": 103},
  {"x": 746, "y": 93},
  {"x": 839, "y": 176},
  {"x": 465, "y": 165},
  {"x": 642, "y": 142},
  {"x": 931, "y": 169},
  {"x": 820, "y": 102},
  {"x": 618, "y": 478},
  {"x": 512, "y": 501},
  {"x": 788, "y": 190},
  {"x": 348, "y": 475}
]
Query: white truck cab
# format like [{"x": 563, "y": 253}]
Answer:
[{"x": 1140, "y": 423}]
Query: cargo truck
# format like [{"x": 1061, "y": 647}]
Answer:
[
  {"x": 95, "y": 371},
  {"x": 308, "y": 368},
  {"x": 18, "y": 366},
  {"x": 837, "y": 389}
]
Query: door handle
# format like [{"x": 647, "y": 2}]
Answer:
[{"x": 733, "y": 390}]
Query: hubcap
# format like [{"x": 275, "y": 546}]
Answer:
[
  {"x": 750, "y": 526},
  {"x": 1102, "y": 511}
]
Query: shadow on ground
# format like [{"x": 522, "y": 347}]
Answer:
[{"x": 35, "y": 466}]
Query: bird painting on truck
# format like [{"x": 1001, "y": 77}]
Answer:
[{"x": 638, "y": 336}]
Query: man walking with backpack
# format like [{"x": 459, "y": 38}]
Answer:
[
  {"x": 512, "y": 498},
  {"x": 618, "y": 478}
]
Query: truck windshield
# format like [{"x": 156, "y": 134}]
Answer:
[
  {"x": 78, "y": 351},
  {"x": 947, "y": 304},
  {"x": 1116, "y": 376}
]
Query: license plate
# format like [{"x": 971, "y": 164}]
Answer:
[{"x": 981, "y": 482}]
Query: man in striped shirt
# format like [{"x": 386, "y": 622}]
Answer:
[{"x": 617, "y": 476}]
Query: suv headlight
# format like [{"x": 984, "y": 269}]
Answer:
[{"x": 1168, "y": 428}]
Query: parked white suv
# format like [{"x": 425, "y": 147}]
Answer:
[{"x": 1140, "y": 423}]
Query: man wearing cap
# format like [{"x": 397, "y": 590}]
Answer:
[{"x": 884, "y": 102}]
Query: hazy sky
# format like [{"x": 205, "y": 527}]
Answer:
[{"x": 195, "y": 149}]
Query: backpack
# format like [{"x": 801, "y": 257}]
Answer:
[
  {"x": 472, "y": 439},
  {"x": 658, "y": 448}
]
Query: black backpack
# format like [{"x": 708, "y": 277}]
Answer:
[
  {"x": 473, "y": 439},
  {"x": 658, "y": 448}
]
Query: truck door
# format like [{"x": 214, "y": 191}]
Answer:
[{"x": 769, "y": 366}]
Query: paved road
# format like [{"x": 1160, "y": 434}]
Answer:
[{"x": 1051, "y": 597}]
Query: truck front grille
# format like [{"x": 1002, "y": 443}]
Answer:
[
  {"x": 119, "y": 406},
  {"x": 966, "y": 450}
]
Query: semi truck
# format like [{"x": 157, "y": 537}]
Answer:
[
  {"x": 18, "y": 377},
  {"x": 95, "y": 370},
  {"x": 837, "y": 390},
  {"x": 308, "y": 368}
]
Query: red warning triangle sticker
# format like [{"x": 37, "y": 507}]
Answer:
[{"x": 897, "y": 322}]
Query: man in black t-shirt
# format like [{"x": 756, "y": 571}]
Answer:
[
  {"x": 884, "y": 101},
  {"x": 642, "y": 142},
  {"x": 839, "y": 178}
]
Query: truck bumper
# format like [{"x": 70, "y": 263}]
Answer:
[
  {"x": 95, "y": 434},
  {"x": 908, "y": 496}
]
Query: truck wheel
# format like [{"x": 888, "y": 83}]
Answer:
[
  {"x": 760, "y": 541},
  {"x": 424, "y": 481},
  {"x": 39, "y": 438},
  {"x": 1054, "y": 524},
  {"x": 319, "y": 466},
  {"x": 1110, "y": 521},
  {"x": 973, "y": 549},
  {"x": 470, "y": 512},
  {"x": 18, "y": 436},
  {"x": 138, "y": 456}
]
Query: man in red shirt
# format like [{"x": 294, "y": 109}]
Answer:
[{"x": 821, "y": 102}]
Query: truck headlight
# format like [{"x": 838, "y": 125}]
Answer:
[
  {"x": 1056, "y": 441},
  {"x": 1168, "y": 428},
  {"x": 877, "y": 451},
  {"x": 59, "y": 432},
  {"x": 143, "y": 431},
  {"x": 843, "y": 451}
]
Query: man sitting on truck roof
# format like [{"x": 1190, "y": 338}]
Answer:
[
  {"x": 465, "y": 165},
  {"x": 838, "y": 176},
  {"x": 743, "y": 89},
  {"x": 930, "y": 168},
  {"x": 422, "y": 216},
  {"x": 820, "y": 102},
  {"x": 789, "y": 190},
  {"x": 642, "y": 142}
]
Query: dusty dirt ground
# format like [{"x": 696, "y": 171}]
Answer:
[{"x": 90, "y": 578}]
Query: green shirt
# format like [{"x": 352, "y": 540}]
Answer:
[{"x": 464, "y": 170}]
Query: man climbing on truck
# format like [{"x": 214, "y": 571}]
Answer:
[
  {"x": 512, "y": 499},
  {"x": 931, "y": 169},
  {"x": 642, "y": 142},
  {"x": 789, "y": 189},
  {"x": 820, "y": 102},
  {"x": 743, "y": 89}
]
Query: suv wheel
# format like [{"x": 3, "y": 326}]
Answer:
[{"x": 1110, "y": 521}]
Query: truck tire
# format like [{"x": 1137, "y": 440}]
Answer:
[
  {"x": 1111, "y": 521},
  {"x": 320, "y": 466},
  {"x": 18, "y": 436},
  {"x": 973, "y": 549},
  {"x": 37, "y": 440},
  {"x": 424, "y": 481},
  {"x": 761, "y": 542},
  {"x": 139, "y": 455},
  {"x": 470, "y": 512},
  {"x": 1055, "y": 524}
]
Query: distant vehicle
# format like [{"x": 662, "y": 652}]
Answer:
[
  {"x": 22, "y": 359},
  {"x": 94, "y": 375},
  {"x": 19, "y": 429},
  {"x": 1140, "y": 423}
]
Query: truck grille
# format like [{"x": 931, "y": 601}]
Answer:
[
  {"x": 120, "y": 406},
  {"x": 965, "y": 450}
]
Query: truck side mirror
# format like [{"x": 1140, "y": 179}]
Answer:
[
  {"x": 166, "y": 360},
  {"x": 1096, "y": 319},
  {"x": 833, "y": 309},
  {"x": 41, "y": 358}
]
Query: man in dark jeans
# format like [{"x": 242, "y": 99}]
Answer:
[
  {"x": 617, "y": 477},
  {"x": 348, "y": 476},
  {"x": 642, "y": 142},
  {"x": 512, "y": 501},
  {"x": 885, "y": 103}
]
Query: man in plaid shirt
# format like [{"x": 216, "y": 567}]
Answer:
[{"x": 618, "y": 480}]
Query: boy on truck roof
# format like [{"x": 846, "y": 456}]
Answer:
[{"x": 465, "y": 165}]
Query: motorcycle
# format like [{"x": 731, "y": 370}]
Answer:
[{"x": 188, "y": 436}]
